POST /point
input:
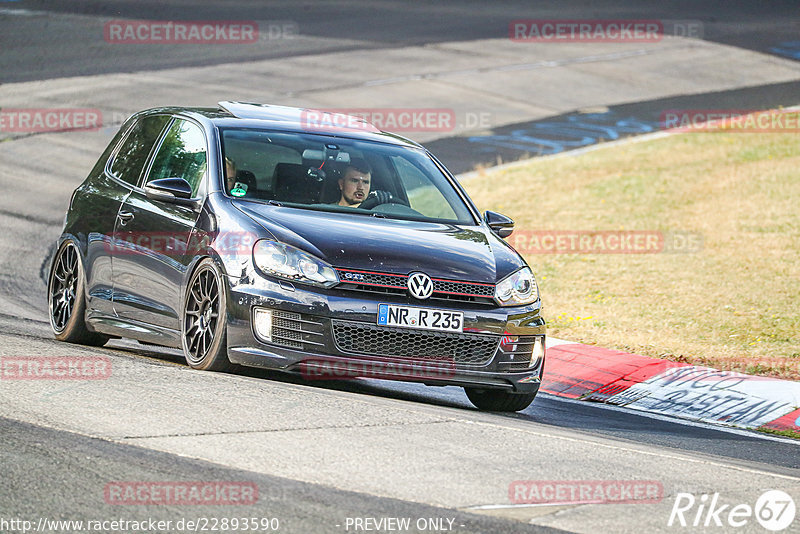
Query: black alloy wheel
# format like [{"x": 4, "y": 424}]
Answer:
[
  {"x": 67, "y": 300},
  {"x": 203, "y": 333}
]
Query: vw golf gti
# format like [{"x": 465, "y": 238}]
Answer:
[{"x": 301, "y": 241}]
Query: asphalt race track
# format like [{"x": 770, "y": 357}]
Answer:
[{"x": 323, "y": 452}]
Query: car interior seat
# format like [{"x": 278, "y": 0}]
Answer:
[
  {"x": 330, "y": 188},
  {"x": 293, "y": 183}
]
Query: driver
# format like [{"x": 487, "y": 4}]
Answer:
[{"x": 355, "y": 184}]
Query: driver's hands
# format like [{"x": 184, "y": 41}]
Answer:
[{"x": 376, "y": 198}]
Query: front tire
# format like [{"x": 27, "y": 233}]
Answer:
[
  {"x": 495, "y": 400},
  {"x": 66, "y": 296},
  {"x": 203, "y": 325}
]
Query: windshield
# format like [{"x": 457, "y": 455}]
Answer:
[{"x": 335, "y": 174}]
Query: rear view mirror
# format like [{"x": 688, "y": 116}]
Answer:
[
  {"x": 500, "y": 224},
  {"x": 332, "y": 155},
  {"x": 313, "y": 155}
]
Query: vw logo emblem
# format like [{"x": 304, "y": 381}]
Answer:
[{"x": 420, "y": 285}]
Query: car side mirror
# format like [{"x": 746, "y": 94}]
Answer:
[
  {"x": 500, "y": 224},
  {"x": 173, "y": 190}
]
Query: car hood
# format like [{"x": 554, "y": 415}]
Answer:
[{"x": 348, "y": 241}]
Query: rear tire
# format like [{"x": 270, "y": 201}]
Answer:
[
  {"x": 66, "y": 297},
  {"x": 495, "y": 400},
  {"x": 203, "y": 323}
]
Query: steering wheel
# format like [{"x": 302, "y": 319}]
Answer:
[{"x": 377, "y": 198}]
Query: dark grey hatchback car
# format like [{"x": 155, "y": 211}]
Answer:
[{"x": 300, "y": 241}]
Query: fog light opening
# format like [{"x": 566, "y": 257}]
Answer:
[
  {"x": 537, "y": 354},
  {"x": 262, "y": 324}
]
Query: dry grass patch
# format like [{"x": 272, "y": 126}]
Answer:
[{"x": 733, "y": 305}]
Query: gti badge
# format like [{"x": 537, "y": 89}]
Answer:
[
  {"x": 354, "y": 276},
  {"x": 420, "y": 285}
]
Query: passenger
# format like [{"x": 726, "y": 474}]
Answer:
[{"x": 230, "y": 173}]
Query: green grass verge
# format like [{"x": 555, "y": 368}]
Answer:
[
  {"x": 734, "y": 304},
  {"x": 784, "y": 433}
]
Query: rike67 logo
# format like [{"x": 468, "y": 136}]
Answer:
[{"x": 774, "y": 510}]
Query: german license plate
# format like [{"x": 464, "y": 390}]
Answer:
[{"x": 425, "y": 318}]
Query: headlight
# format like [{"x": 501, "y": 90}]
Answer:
[
  {"x": 289, "y": 263},
  {"x": 517, "y": 289}
]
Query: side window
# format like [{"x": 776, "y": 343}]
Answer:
[
  {"x": 182, "y": 154},
  {"x": 132, "y": 155}
]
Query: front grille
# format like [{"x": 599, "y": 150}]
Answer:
[
  {"x": 463, "y": 288},
  {"x": 373, "y": 279},
  {"x": 378, "y": 289},
  {"x": 296, "y": 331},
  {"x": 366, "y": 339},
  {"x": 396, "y": 284}
]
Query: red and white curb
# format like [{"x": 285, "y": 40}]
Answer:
[{"x": 586, "y": 372}]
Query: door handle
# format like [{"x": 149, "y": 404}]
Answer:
[{"x": 124, "y": 217}]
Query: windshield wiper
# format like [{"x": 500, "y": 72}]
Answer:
[
  {"x": 379, "y": 215},
  {"x": 274, "y": 203}
]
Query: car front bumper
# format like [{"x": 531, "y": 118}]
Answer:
[{"x": 333, "y": 333}]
